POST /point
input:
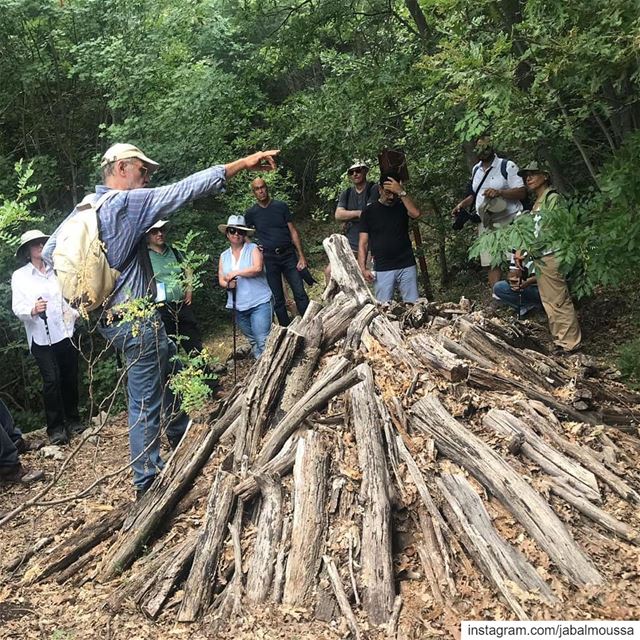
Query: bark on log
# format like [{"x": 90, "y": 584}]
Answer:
[
  {"x": 199, "y": 585},
  {"x": 545, "y": 422},
  {"x": 280, "y": 465},
  {"x": 165, "y": 493},
  {"x": 434, "y": 529},
  {"x": 337, "y": 318},
  {"x": 167, "y": 577},
  {"x": 376, "y": 556},
  {"x": 81, "y": 542},
  {"x": 558, "y": 466},
  {"x": 309, "y": 519},
  {"x": 464, "y": 352},
  {"x": 330, "y": 383},
  {"x": 345, "y": 273},
  {"x": 531, "y": 510},
  {"x": 265, "y": 547},
  {"x": 264, "y": 389},
  {"x": 304, "y": 364},
  {"x": 501, "y": 563},
  {"x": 279, "y": 571},
  {"x": 435, "y": 357}
]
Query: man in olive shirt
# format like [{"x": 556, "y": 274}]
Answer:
[
  {"x": 174, "y": 299},
  {"x": 384, "y": 230}
]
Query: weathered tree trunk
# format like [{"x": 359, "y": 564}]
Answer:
[
  {"x": 376, "y": 556},
  {"x": 345, "y": 273},
  {"x": 265, "y": 549},
  {"x": 199, "y": 585},
  {"x": 309, "y": 519}
]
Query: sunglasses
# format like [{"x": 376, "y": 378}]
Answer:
[
  {"x": 352, "y": 171},
  {"x": 236, "y": 231}
]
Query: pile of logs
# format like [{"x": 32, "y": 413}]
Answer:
[{"x": 359, "y": 438}]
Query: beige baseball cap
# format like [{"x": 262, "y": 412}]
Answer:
[{"x": 122, "y": 151}]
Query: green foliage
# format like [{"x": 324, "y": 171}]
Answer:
[{"x": 192, "y": 382}]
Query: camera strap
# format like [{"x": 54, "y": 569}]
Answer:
[{"x": 477, "y": 191}]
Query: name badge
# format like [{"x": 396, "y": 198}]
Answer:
[{"x": 161, "y": 296}]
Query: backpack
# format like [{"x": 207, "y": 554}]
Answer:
[
  {"x": 80, "y": 260},
  {"x": 346, "y": 226}
]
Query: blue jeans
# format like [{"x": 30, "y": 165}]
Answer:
[
  {"x": 152, "y": 406},
  {"x": 10, "y": 435},
  {"x": 524, "y": 301},
  {"x": 277, "y": 266},
  {"x": 406, "y": 280},
  {"x": 255, "y": 324}
]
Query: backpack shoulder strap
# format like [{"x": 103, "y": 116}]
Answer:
[
  {"x": 178, "y": 254},
  {"x": 503, "y": 168}
]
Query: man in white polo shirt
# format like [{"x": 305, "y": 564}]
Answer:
[{"x": 496, "y": 191}]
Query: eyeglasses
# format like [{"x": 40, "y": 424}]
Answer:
[
  {"x": 158, "y": 231},
  {"x": 144, "y": 170},
  {"x": 235, "y": 231},
  {"x": 356, "y": 170}
]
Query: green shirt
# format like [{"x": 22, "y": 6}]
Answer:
[{"x": 167, "y": 270}]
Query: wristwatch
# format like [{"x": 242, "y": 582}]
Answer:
[{"x": 402, "y": 194}]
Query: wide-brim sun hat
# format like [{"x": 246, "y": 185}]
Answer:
[
  {"x": 122, "y": 151},
  {"x": 533, "y": 167},
  {"x": 237, "y": 222},
  {"x": 493, "y": 205},
  {"x": 30, "y": 236}
]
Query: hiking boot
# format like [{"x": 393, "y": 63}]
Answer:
[
  {"x": 141, "y": 491},
  {"x": 20, "y": 475},
  {"x": 59, "y": 437}
]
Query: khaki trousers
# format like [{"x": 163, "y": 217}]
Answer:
[{"x": 556, "y": 300}]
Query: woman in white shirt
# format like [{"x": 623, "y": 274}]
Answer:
[{"x": 49, "y": 322}]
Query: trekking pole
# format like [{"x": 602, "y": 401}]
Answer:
[
  {"x": 43, "y": 315},
  {"x": 233, "y": 320}
]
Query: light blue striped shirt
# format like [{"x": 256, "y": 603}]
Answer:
[{"x": 126, "y": 216}]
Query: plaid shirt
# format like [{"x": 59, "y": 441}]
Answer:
[{"x": 126, "y": 216}]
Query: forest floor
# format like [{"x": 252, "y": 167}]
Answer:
[{"x": 52, "y": 611}]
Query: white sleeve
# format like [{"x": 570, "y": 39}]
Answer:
[
  {"x": 513, "y": 179},
  {"x": 22, "y": 301}
]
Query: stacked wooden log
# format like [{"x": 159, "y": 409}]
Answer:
[{"x": 363, "y": 449}]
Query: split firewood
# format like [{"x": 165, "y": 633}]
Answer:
[
  {"x": 165, "y": 493},
  {"x": 346, "y": 276},
  {"x": 341, "y": 596},
  {"x": 264, "y": 388},
  {"x": 544, "y": 421}
]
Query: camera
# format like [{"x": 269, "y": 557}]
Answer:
[{"x": 463, "y": 216}]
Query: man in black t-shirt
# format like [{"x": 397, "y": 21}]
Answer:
[
  {"x": 282, "y": 249},
  {"x": 384, "y": 230}
]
